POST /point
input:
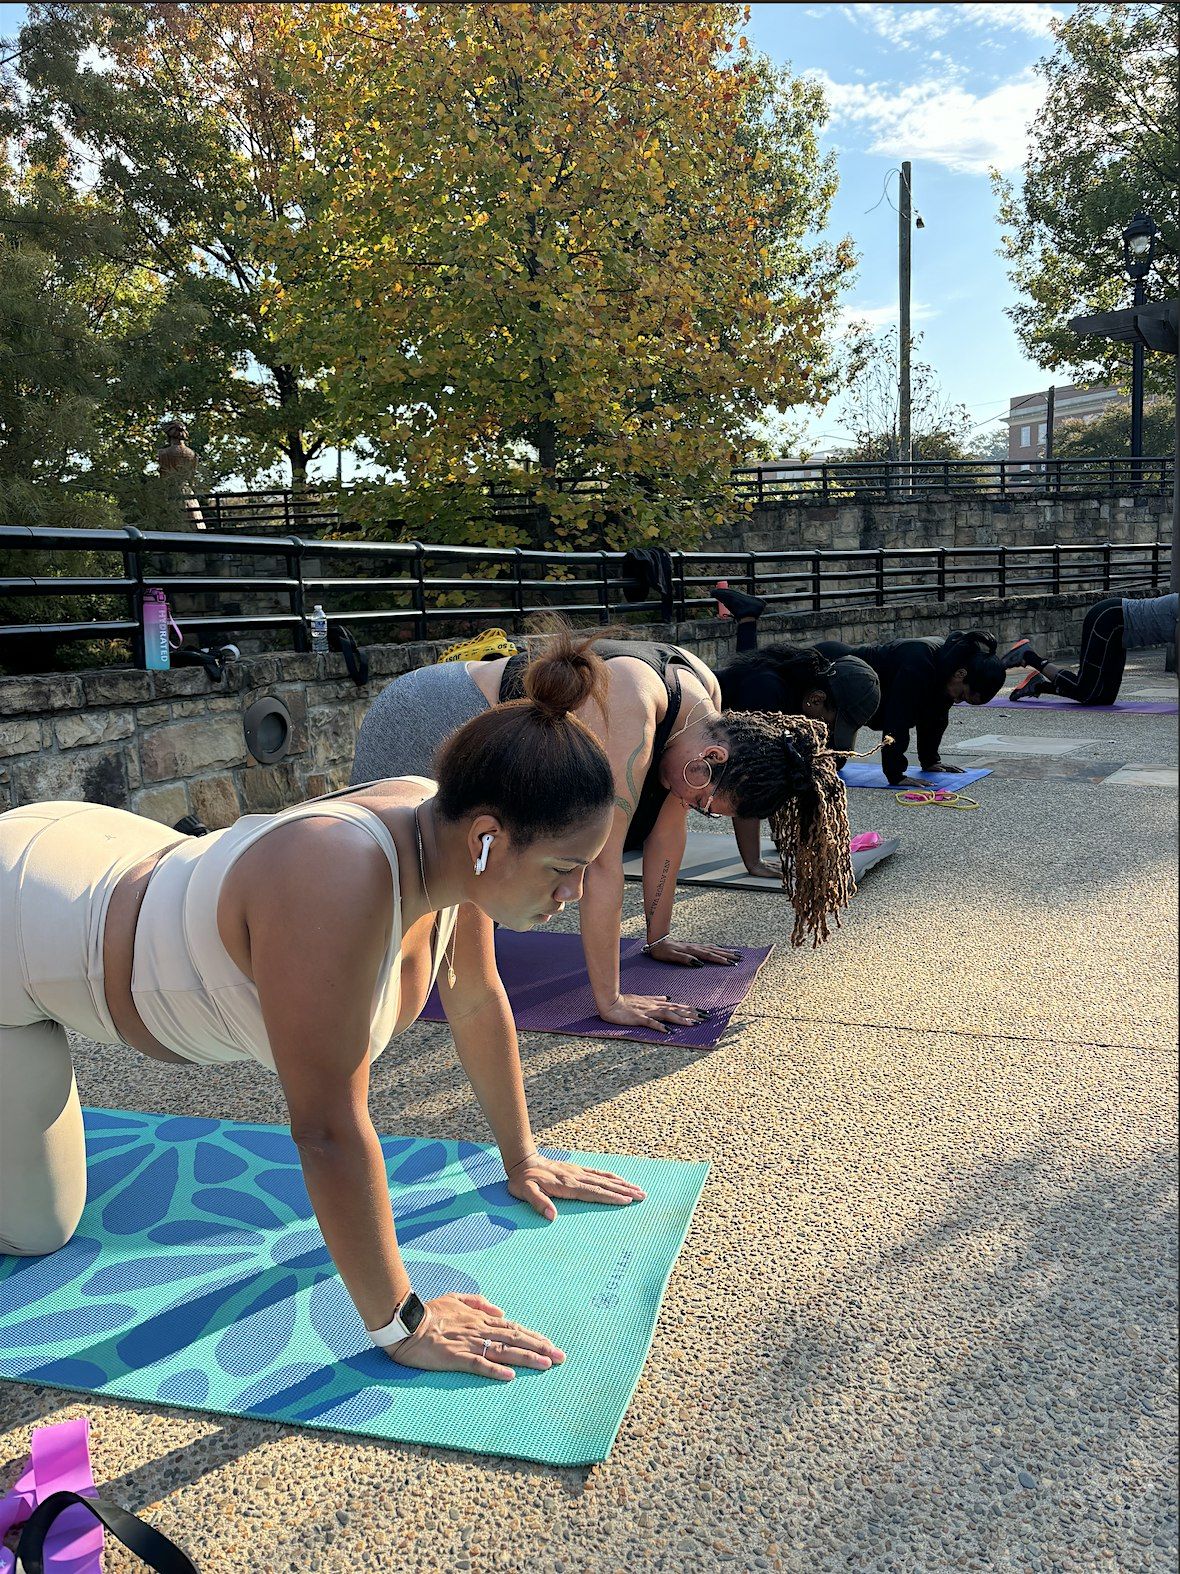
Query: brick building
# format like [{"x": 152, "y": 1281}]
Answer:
[{"x": 1028, "y": 415}]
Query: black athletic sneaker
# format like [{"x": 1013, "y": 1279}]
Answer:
[
  {"x": 741, "y": 605},
  {"x": 1028, "y": 689},
  {"x": 1018, "y": 655}
]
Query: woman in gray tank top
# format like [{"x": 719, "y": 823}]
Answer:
[
  {"x": 671, "y": 750},
  {"x": 1112, "y": 627}
]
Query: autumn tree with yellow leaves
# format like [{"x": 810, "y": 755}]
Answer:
[{"x": 585, "y": 234}]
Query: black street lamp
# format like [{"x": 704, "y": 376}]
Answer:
[{"x": 1138, "y": 255}]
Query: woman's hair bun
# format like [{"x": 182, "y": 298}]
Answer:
[{"x": 566, "y": 674}]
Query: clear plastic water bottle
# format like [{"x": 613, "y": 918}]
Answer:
[{"x": 319, "y": 631}]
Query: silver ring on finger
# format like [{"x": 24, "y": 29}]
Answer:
[{"x": 484, "y": 1351}]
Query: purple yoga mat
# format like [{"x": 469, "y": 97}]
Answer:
[
  {"x": 1144, "y": 707},
  {"x": 549, "y": 991}
]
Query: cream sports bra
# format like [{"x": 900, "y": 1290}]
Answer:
[{"x": 188, "y": 990}]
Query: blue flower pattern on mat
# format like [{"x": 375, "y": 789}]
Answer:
[{"x": 198, "y": 1266}]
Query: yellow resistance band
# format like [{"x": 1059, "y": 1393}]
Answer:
[{"x": 939, "y": 797}]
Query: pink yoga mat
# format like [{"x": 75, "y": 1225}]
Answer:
[
  {"x": 549, "y": 991},
  {"x": 1144, "y": 707}
]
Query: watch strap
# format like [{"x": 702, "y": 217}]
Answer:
[{"x": 396, "y": 1329}]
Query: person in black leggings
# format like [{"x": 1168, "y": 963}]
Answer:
[{"x": 1112, "y": 627}]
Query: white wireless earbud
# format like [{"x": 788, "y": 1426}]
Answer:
[{"x": 486, "y": 846}]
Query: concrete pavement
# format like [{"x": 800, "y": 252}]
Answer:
[{"x": 925, "y": 1316}]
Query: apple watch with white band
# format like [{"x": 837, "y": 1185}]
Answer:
[{"x": 406, "y": 1320}]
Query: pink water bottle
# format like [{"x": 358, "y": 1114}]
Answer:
[{"x": 155, "y": 631}]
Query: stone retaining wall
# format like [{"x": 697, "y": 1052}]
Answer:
[
  {"x": 946, "y": 520},
  {"x": 168, "y": 744}
]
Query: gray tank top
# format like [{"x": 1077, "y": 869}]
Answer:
[{"x": 1149, "y": 622}]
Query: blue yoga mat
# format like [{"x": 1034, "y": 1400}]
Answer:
[
  {"x": 858, "y": 774},
  {"x": 198, "y": 1277}
]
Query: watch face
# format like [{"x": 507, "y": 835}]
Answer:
[{"x": 412, "y": 1312}]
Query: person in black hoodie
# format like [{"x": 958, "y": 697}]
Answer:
[{"x": 920, "y": 680}]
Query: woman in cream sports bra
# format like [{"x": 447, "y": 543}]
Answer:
[{"x": 305, "y": 940}]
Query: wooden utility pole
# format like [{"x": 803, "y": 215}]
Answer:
[{"x": 904, "y": 231}]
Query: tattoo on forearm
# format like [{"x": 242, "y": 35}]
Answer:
[
  {"x": 627, "y": 805},
  {"x": 655, "y": 901}
]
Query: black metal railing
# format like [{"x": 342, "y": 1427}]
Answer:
[
  {"x": 893, "y": 481},
  {"x": 317, "y": 509},
  {"x": 414, "y": 590}
]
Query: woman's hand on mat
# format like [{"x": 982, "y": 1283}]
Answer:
[
  {"x": 685, "y": 954},
  {"x": 465, "y": 1333},
  {"x": 539, "y": 1180},
  {"x": 654, "y": 1011}
]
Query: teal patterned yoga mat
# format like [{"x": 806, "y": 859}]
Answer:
[{"x": 198, "y": 1277}]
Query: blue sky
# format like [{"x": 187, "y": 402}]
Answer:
[{"x": 951, "y": 88}]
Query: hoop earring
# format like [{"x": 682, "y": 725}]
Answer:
[{"x": 700, "y": 760}]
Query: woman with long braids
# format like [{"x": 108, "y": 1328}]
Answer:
[
  {"x": 799, "y": 680},
  {"x": 671, "y": 750},
  {"x": 304, "y": 940},
  {"x": 781, "y": 769}
]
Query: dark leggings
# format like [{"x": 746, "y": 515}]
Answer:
[
  {"x": 1103, "y": 656},
  {"x": 747, "y": 635}
]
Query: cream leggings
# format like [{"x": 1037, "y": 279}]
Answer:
[{"x": 59, "y": 863}]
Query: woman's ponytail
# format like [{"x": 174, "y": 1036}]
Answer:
[
  {"x": 566, "y": 675},
  {"x": 531, "y": 762}
]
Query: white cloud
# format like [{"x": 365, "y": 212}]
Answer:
[
  {"x": 940, "y": 124},
  {"x": 881, "y": 316},
  {"x": 906, "y": 26}
]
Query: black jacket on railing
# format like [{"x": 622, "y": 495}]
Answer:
[{"x": 913, "y": 698}]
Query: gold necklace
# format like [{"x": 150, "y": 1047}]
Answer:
[{"x": 450, "y": 960}]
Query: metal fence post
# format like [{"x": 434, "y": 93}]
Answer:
[
  {"x": 816, "y": 584},
  {"x": 752, "y": 573},
  {"x": 419, "y": 590},
  {"x": 518, "y": 589},
  {"x": 604, "y": 574},
  {"x": 681, "y": 607},
  {"x": 942, "y": 573},
  {"x": 1106, "y": 565},
  {"x": 1003, "y": 571},
  {"x": 880, "y": 576},
  {"x": 1056, "y": 569},
  {"x": 133, "y": 569},
  {"x": 823, "y": 473},
  {"x": 294, "y": 560}
]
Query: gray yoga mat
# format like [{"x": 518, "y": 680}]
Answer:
[{"x": 714, "y": 861}]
